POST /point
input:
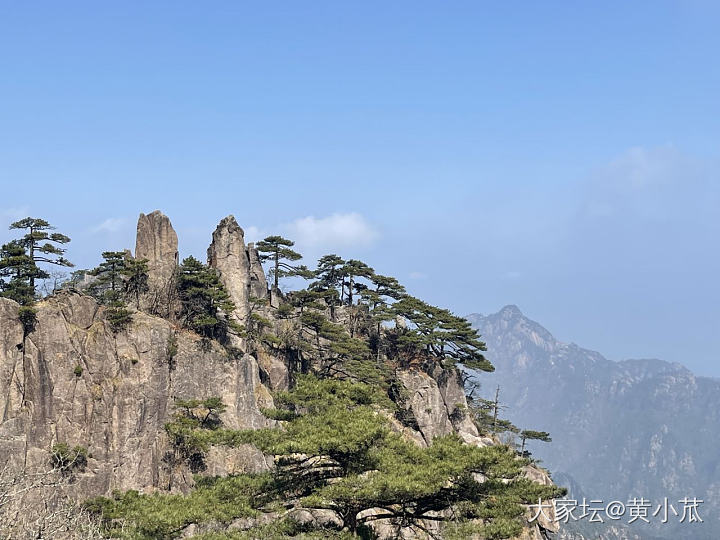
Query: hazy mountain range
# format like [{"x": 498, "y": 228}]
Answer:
[{"x": 635, "y": 428}]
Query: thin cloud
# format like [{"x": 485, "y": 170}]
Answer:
[
  {"x": 642, "y": 167},
  {"x": 417, "y": 275},
  {"x": 646, "y": 183},
  {"x": 253, "y": 234},
  {"x": 333, "y": 232},
  {"x": 110, "y": 225}
]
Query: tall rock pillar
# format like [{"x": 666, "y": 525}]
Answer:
[
  {"x": 228, "y": 256},
  {"x": 157, "y": 242}
]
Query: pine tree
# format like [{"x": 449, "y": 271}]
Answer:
[
  {"x": 135, "y": 273},
  {"x": 109, "y": 274},
  {"x": 16, "y": 269},
  {"x": 118, "y": 316},
  {"x": 379, "y": 299},
  {"x": 277, "y": 250},
  {"x": 48, "y": 252},
  {"x": 333, "y": 451},
  {"x": 206, "y": 305},
  {"x": 352, "y": 270},
  {"x": 329, "y": 276},
  {"x": 442, "y": 335},
  {"x": 531, "y": 434},
  {"x": 337, "y": 353},
  {"x": 484, "y": 413}
]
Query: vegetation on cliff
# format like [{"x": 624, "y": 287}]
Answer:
[{"x": 337, "y": 435}]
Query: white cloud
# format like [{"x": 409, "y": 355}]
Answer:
[
  {"x": 110, "y": 225},
  {"x": 647, "y": 183},
  {"x": 336, "y": 231},
  {"x": 253, "y": 234},
  {"x": 643, "y": 167},
  {"x": 417, "y": 275}
]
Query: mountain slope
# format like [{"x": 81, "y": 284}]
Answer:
[{"x": 637, "y": 428}]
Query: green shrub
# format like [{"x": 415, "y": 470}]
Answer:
[
  {"x": 118, "y": 316},
  {"x": 68, "y": 459},
  {"x": 28, "y": 318},
  {"x": 171, "y": 350}
]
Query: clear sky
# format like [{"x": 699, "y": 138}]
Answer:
[{"x": 561, "y": 156}]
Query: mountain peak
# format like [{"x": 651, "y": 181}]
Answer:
[{"x": 511, "y": 310}]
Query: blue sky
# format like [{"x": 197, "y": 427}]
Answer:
[{"x": 560, "y": 156}]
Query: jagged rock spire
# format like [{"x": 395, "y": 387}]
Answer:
[
  {"x": 157, "y": 242},
  {"x": 228, "y": 256}
]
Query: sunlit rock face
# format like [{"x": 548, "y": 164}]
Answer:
[
  {"x": 117, "y": 403},
  {"x": 157, "y": 242}
]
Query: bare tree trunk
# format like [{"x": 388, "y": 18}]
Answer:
[
  {"x": 495, "y": 407},
  {"x": 35, "y": 505}
]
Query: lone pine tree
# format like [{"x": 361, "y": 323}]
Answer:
[
  {"x": 441, "y": 334},
  {"x": 277, "y": 250},
  {"x": 41, "y": 245},
  {"x": 109, "y": 274}
]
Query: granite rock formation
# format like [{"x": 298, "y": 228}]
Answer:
[
  {"x": 72, "y": 380},
  {"x": 117, "y": 403},
  {"x": 157, "y": 242}
]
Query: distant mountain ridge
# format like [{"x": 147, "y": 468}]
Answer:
[{"x": 634, "y": 428}]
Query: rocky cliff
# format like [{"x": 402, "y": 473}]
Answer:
[{"x": 72, "y": 380}]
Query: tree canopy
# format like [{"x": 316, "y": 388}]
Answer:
[
  {"x": 41, "y": 245},
  {"x": 19, "y": 258},
  {"x": 441, "y": 334},
  {"x": 278, "y": 250},
  {"x": 109, "y": 273},
  {"x": 16, "y": 271},
  {"x": 206, "y": 305},
  {"x": 336, "y": 451}
]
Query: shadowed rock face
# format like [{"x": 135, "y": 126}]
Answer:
[{"x": 436, "y": 403}]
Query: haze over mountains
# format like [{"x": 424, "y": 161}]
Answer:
[{"x": 635, "y": 428}]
